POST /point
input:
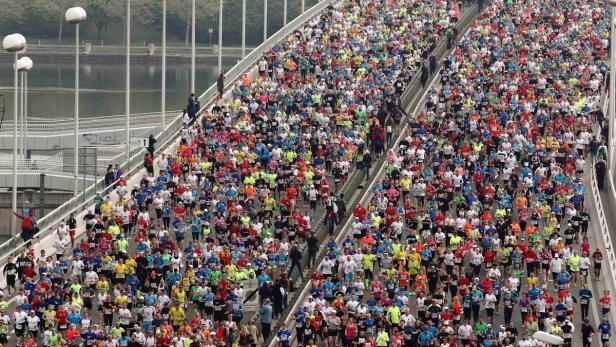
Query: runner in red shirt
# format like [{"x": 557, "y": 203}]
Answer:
[
  {"x": 605, "y": 302},
  {"x": 61, "y": 321}
]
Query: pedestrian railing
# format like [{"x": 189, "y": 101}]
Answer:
[
  {"x": 604, "y": 231},
  {"x": 100, "y": 49},
  {"x": 38, "y": 126},
  {"x": 40, "y": 165}
]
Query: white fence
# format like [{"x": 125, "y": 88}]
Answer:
[
  {"x": 35, "y": 165},
  {"x": 38, "y": 126}
]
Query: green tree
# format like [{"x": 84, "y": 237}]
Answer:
[{"x": 103, "y": 13}]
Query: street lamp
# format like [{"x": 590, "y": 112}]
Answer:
[
  {"x": 14, "y": 43},
  {"x": 219, "y": 39},
  {"x": 24, "y": 64},
  {"x": 264, "y": 20},
  {"x": 243, "y": 28},
  {"x": 192, "y": 57},
  {"x": 127, "y": 102},
  {"x": 24, "y": 145},
  {"x": 303, "y": 5},
  {"x": 284, "y": 12},
  {"x": 163, "y": 82},
  {"x": 76, "y": 15},
  {"x": 210, "y": 31},
  {"x": 612, "y": 96}
]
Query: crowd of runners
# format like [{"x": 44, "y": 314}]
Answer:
[
  {"x": 167, "y": 258},
  {"x": 481, "y": 215}
]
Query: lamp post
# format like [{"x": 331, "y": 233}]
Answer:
[
  {"x": 127, "y": 102},
  {"x": 284, "y": 12},
  {"x": 21, "y": 68},
  {"x": 243, "y": 28},
  {"x": 220, "y": 37},
  {"x": 14, "y": 43},
  {"x": 192, "y": 56},
  {"x": 612, "y": 101},
  {"x": 210, "y": 31},
  {"x": 76, "y": 15},
  {"x": 303, "y": 5},
  {"x": 264, "y": 20},
  {"x": 163, "y": 82},
  {"x": 24, "y": 145},
  {"x": 24, "y": 64}
]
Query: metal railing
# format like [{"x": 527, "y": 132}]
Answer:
[
  {"x": 37, "y": 165},
  {"x": 604, "y": 229},
  {"x": 602, "y": 223},
  {"x": 89, "y": 125},
  {"x": 100, "y": 49}
]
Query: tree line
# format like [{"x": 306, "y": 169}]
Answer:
[{"x": 44, "y": 19}]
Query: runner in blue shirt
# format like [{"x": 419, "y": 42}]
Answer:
[
  {"x": 424, "y": 338},
  {"x": 284, "y": 336},
  {"x": 605, "y": 329}
]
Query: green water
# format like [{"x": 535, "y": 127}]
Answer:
[{"x": 102, "y": 87}]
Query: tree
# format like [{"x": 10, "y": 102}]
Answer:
[
  {"x": 62, "y": 6},
  {"x": 102, "y": 13}
]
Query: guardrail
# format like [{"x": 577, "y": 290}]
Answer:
[
  {"x": 52, "y": 163},
  {"x": 602, "y": 223},
  {"x": 97, "y": 49},
  {"x": 411, "y": 99},
  {"x": 608, "y": 276},
  {"x": 89, "y": 125}
]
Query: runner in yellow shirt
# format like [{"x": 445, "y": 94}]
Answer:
[
  {"x": 368, "y": 260},
  {"x": 177, "y": 315},
  {"x": 574, "y": 266},
  {"x": 120, "y": 271}
]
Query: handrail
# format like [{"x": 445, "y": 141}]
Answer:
[
  {"x": 33, "y": 164},
  {"x": 87, "y": 125},
  {"x": 594, "y": 189},
  {"x": 95, "y": 49},
  {"x": 604, "y": 228}
]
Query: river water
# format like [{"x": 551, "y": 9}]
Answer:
[{"x": 102, "y": 87}]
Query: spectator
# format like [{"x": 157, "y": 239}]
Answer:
[
  {"x": 600, "y": 170},
  {"x": 151, "y": 144},
  {"x": 190, "y": 106},
  {"x": 28, "y": 226},
  {"x": 220, "y": 84},
  {"x": 296, "y": 261},
  {"x": 266, "y": 318}
]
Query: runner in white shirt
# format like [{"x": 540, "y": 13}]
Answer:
[
  {"x": 33, "y": 324},
  {"x": 327, "y": 267},
  {"x": 464, "y": 332}
]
